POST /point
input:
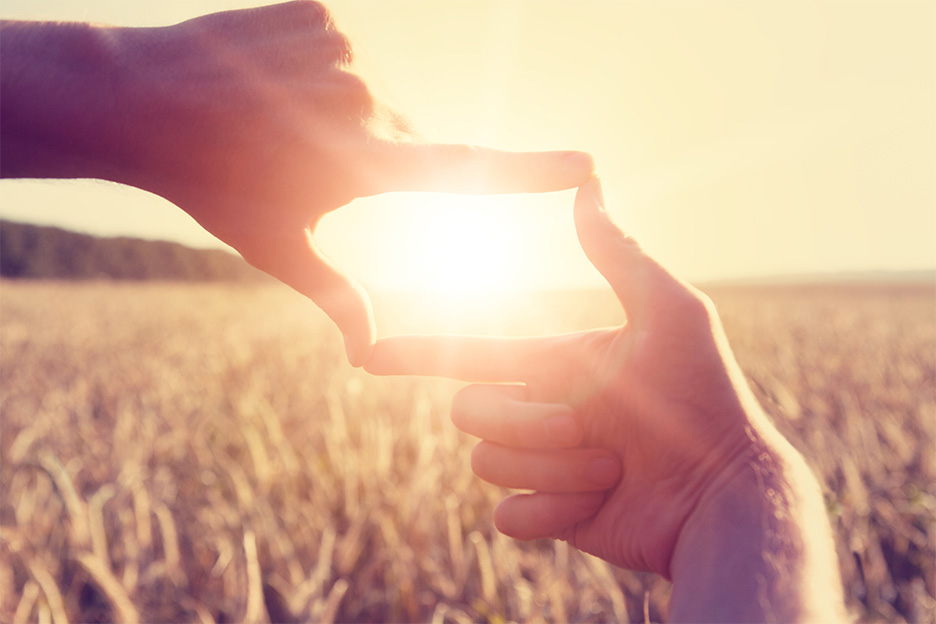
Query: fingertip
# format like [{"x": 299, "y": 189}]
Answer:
[
  {"x": 396, "y": 355},
  {"x": 543, "y": 515},
  {"x": 581, "y": 165},
  {"x": 508, "y": 521},
  {"x": 359, "y": 348},
  {"x": 375, "y": 364}
]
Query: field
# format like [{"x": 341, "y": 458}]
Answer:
[{"x": 203, "y": 453}]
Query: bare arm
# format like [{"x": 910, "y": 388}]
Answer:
[
  {"x": 58, "y": 101},
  {"x": 759, "y": 549}
]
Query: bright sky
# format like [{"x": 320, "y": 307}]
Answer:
[{"x": 733, "y": 139}]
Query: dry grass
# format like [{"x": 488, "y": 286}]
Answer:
[{"x": 202, "y": 453}]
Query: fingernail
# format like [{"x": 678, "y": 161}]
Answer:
[
  {"x": 563, "y": 430},
  {"x": 604, "y": 471}
]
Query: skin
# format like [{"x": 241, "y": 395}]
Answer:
[
  {"x": 643, "y": 445},
  {"x": 250, "y": 121}
]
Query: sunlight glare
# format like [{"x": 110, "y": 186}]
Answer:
[{"x": 467, "y": 250}]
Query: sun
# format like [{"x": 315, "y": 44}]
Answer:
[
  {"x": 461, "y": 264},
  {"x": 471, "y": 251},
  {"x": 467, "y": 251},
  {"x": 443, "y": 244}
]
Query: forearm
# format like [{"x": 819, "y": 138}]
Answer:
[
  {"x": 58, "y": 100},
  {"x": 759, "y": 549}
]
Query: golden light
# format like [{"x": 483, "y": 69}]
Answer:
[
  {"x": 450, "y": 245},
  {"x": 436, "y": 262},
  {"x": 460, "y": 249}
]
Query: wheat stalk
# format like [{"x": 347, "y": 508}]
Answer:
[
  {"x": 170, "y": 542},
  {"x": 111, "y": 588},
  {"x": 255, "y": 610},
  {"x": 132, "y": 557},
  {"x": 485, "y": 567},
  {"x": 77, "y": 511},
  {"x": 27, "y": 601},
  {"x": 53, "y": 597},
  {"x": 96, "y": 521}
]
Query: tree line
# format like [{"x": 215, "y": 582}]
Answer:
[{"x": 39, "y": 252}]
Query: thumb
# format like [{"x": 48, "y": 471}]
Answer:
[
  {"x": 616, "y": 255},
  {"x": 297, "y": 262}
]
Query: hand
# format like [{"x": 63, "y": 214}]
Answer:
[
  {"x": 700, "y": 466},
  {"x": 658, "y": 393},
  {"x": 248, "y": 121},
  {"x": 253, "y": 126}
]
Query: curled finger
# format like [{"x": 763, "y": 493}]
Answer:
[
  {"x": 501, "y": 414},
  {"x": 544, "y": 515},
  {"x": 554, "y": 470}
]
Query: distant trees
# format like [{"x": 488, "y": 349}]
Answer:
[{"x": 31, "y": 251}]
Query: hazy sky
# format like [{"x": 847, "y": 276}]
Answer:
[{"x": 732, "y": 138}]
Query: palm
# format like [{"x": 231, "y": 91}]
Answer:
[{"x": 662, "y": 446}]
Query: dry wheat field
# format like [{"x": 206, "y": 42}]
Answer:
[{"x": 202, "y": 453}]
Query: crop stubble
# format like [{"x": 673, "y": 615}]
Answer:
[{"x": 203, "y": 453}]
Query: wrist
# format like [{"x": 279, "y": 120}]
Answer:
[
  {"x": 59, "y": 95},
  {"x": 758, "y": 546}
]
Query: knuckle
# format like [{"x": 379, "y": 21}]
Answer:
[
  {"x": 349, "y": 98},
  {"x": 314, "y": 19},
  {"x": 338, "y": 48},
  {"x": 692, "y": 305},
  {"x": 309, "y": 11},
  {"x": 355, "y": 86},
  {"x": 697, "y": 305},
  {"x": 692, "y": 309},
  {"x": 676, "y": 299}
]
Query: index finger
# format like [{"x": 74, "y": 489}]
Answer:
[
  {"x": 503, "y": 414},
  {"x": 469, "y": 169},
  {"x": 468, "y": 358}
]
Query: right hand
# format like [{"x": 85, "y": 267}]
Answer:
[{"x": 661, "y": 395}]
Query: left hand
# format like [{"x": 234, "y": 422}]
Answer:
[{"x": 249, "y": 121}]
